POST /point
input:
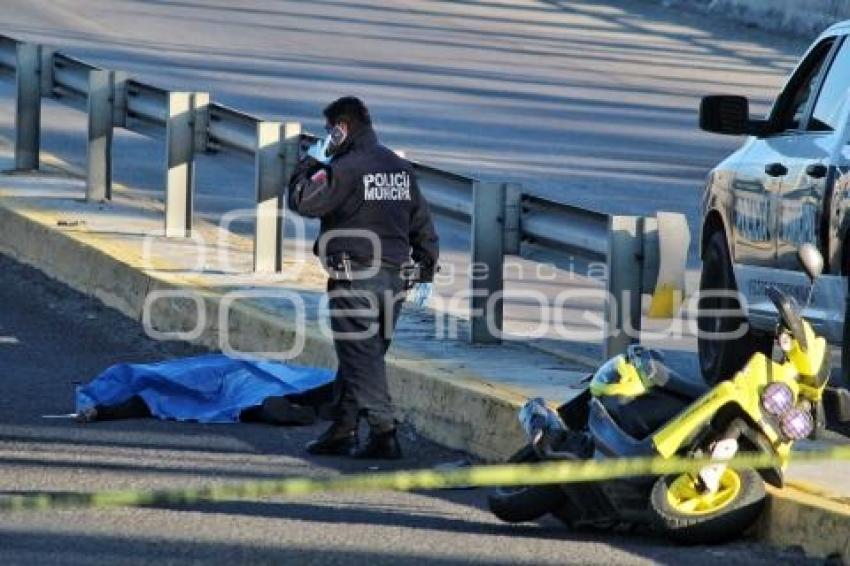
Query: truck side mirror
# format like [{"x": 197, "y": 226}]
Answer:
[{"x": 730, "y": 115}]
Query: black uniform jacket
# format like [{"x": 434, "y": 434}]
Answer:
[{"x": 366, "y": 189}]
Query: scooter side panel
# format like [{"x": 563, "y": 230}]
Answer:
[{"x": 677, "y": 432}]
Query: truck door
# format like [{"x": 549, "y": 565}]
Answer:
[
  {"x": 812, "y": 159},
  {"x": 763, "y": 170},
  {"x": 756, "y": 197}
]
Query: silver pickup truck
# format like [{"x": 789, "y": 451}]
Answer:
[{"x": 788, "y": 184}]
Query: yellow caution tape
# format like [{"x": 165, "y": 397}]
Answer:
[{"x": 475, "y": 476}]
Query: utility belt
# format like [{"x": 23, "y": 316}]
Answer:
[{"x": 342, "y": 266}]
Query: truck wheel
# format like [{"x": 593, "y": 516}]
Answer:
[
  {"x": 845, "y": 349},
  {"x": 519, "y": 504},
  {"x": 681, "y": 512},
  {"x": 845, "y": 338},
  {"x": 720, "y": 359}
]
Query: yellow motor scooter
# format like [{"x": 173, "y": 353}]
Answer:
[{"x": 635, "y": 406}]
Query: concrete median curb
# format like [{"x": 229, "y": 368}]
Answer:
[
  {"x": 802, "y": 515},
  {"x": 455, "y": 406}
]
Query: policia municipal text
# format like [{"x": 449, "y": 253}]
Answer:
[{"x": 374, "y": 225}]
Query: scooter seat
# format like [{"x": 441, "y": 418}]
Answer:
[
  {"x": 612, "y": 440},
  {"x": 641, "y": 416}
]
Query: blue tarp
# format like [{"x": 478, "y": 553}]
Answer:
[{"x": 208, "y": 389}]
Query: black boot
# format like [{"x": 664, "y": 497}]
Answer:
[
  {"x": 380, "y": 446},
  {"x": 338, "y": 440}
]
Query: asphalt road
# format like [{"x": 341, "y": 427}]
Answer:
[
  {"x": 591, "y": 102},
  {"x": 51, "y": 338},
  {"x": 588, "y": 102}
]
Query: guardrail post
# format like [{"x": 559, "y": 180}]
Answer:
[
  {"x": 99, "y": 155},
  {"x": 179, "y": 168},
  {"x": 513, "y": 214},
  {"x": 268, "y": 183},
  {"x": 28, "y": 108},
  {"x": 488, "y": 257},
  {"x": 623, "y": 308},
  {"x": 46, "y": 71}
]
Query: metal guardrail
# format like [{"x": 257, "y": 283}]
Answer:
[
  {"x": 71, "y": 76},
  {"x": 8, "y": 52},
  {"x": 448, "y": 193},
  {"x": 147, "y": 104},
  {"x": 629, "y": 246},
  {"x": 502, "y": 217},
  {"x": 567, "y": 228},
  {"x": 232, "y": 129}
]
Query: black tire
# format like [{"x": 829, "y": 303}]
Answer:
[
  {"x": 518, "y": 504},
  {"x": 727, "y": 523},
  {"x": 845, "y": 350},
  {"x": 720, "y": 359},
  {"x": 845, "y": 339}
]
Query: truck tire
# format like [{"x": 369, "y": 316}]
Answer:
[
  {"x": 845, "y": 348},
  {"x": 845, "y": 338},
  {"x": 519, "y": 504},
  {"x": 720, "y": 359}
]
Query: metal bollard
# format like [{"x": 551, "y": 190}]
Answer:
[
  {"x": 625, "y": 270},
  {"x": 268, "y": 183},
  {"x": 28, "y": 107},
  {"x": 179, "y": 165},
  {"x": 99, "y": 150},
  {"x": 488, "y": 254}
]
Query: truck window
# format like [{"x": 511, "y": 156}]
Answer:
[
  {"x": 833, "y": 94},
  {"x": 792, "y": 104}
]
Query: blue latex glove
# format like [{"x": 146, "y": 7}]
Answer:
[
  {"x": 421, "y": 293},
  {"x": 318, "y": 150}
]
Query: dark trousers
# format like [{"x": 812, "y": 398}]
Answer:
[
  {"x": 133, "y": 408},
  {"x": 363, "y": 316}
]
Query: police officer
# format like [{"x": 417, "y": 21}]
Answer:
[{"x": 374, "y": 222}]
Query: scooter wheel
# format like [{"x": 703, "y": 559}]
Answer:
[
  {"x": 519, "y": 504},
  {"x": 681, "y": 512}
]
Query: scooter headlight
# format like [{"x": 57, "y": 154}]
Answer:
[
  {"x": 777, "y": 399},
  {"x": 797, "y": 424}
]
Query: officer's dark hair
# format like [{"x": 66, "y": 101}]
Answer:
[{"x": 348, "y": 108}]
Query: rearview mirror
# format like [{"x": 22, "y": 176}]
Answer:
[
  {"x": 730, "y": 115},
  {"x": 811, "y": 260}
]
